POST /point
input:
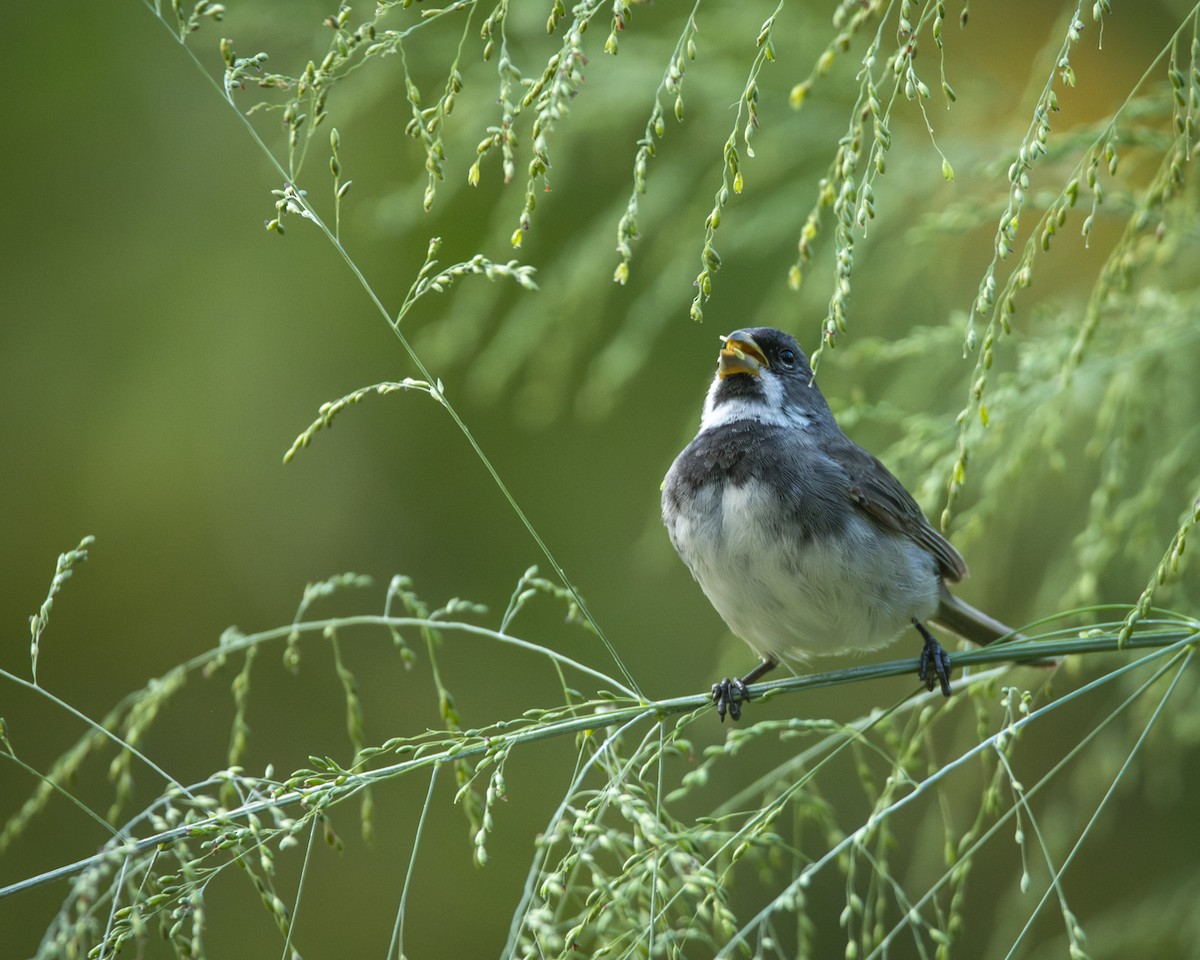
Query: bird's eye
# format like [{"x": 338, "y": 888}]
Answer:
[{"x": 787, "y": 358}]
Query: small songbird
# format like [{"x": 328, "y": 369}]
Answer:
[{"x": 803, "y": 541}]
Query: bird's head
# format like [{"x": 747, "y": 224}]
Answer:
[{"x": 762, "y": 374}]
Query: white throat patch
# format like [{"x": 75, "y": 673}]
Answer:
[{"x": 767, "y": 409}]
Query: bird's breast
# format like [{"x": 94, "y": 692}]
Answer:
[{"x": 788, "y": 586}]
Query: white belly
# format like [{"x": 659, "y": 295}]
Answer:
[{"x": 791, "y": 598}]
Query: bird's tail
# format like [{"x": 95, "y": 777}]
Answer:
[{"x": 961, "y": 618}]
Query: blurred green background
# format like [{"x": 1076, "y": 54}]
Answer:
[{"x": 160, "y": 350}]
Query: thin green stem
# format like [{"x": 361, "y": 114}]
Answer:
[
  {"x": 397, "y": 949},
  {"x": 1055, "y": 884},
  {"x": 96, "y": 727},
  {"x": 307, "y": 211},
  {"x": 544, "y": 853},
  {"x": 57, "y": 787},
  {"x": 295, "y": 911},
  {"x": 454, "y": 626},
  {"x": 607, "y": 714},
  {"x": 1076, "y": 750}
]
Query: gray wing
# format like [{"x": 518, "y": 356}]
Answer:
[{"x": 883, "y": 498}]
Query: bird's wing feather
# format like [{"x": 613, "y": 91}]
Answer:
[{"x": 883, "y": 498}]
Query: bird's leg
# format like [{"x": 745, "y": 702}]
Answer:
[
  {"x": 933, "y": 655},
  {"x": 728, "y": 694}
]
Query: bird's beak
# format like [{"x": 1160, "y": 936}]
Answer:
[{"x": 740, "y": 354}]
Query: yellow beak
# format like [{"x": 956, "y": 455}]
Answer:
[{"x": 740, "y": 354}]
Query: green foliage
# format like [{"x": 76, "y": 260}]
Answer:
[{"x": 622, "y": 867}]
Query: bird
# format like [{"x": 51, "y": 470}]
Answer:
[{"x": 804, "y": 542}]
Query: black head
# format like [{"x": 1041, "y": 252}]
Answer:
[
  {"x": 763, "y": 373},
  {"x": 753, "y": 350}
]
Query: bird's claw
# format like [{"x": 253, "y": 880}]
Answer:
[
  {"x": 728, "y": 696},
  {"x": 935, "y": 665}
]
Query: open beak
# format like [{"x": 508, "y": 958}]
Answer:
[{"x": 740, "y": 354}]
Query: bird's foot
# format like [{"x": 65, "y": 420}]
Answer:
[
  {"x": 935, "y": 662},
  {"x": 728, "y": 696}
]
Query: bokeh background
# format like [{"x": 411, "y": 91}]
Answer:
[{"x": 160, "y": 350}]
